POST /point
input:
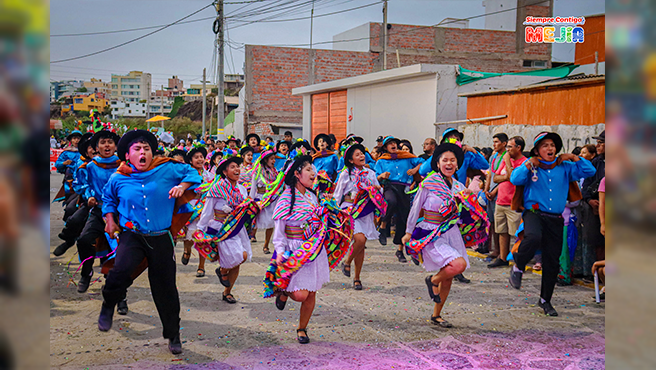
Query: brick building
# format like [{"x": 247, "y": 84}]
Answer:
[{"x": 272, "y": 72}]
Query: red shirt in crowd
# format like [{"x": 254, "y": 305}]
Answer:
[{"x": 506, "y": 189}]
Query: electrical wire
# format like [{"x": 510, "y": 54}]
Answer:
[{"x": 131, "y": 41}]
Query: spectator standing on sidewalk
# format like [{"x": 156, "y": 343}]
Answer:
[
  {"x": 506, "y": 220},
  {"x": 590, "y": 190},
  {"x": 499, "y": 142}
]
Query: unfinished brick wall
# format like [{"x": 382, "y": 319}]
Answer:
[{"x": 272, "y": 73}]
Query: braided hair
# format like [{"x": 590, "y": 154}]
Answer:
[{"x": 293, "y": 180}]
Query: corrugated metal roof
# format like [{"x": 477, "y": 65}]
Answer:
[{"x": 567, "y": 81}]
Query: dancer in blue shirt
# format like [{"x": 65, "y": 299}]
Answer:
[
  {"x": 325, "y": 159},
  {"x": 138, "y": 203},
  {"x": 544, "y": 183}
]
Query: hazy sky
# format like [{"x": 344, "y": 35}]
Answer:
[{"x": 184, "y": 50}]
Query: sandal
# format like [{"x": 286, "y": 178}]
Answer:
[
  {"x": 226, "y": 282},
  {"x": 443, "y": 323},
  {"x": 346, "y": 272},
  {"x": 185, "y": 260},
  {"x": 357, "y": 284},
  {"x": 200, "y": 272},
  {"x": 266, "y": 250},
  {"x": 302, "y": 339},
  {"x": 435, "y": 297},
  {"x": 280, "y": 304},
  {"x": 229, "y": 298}
]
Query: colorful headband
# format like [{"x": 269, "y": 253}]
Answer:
[{"x": 540, "y": 136}]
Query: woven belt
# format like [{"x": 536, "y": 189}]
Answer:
[
  {"x": 348, "y": 199},
  {"x": 261, "y": 190},
  {"x": 433, "y": 217},
  {"x": 220, "y": 216},
  {"x": 294, "y": 232}
]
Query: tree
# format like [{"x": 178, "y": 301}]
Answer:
[{"x": 82, "y": 89}]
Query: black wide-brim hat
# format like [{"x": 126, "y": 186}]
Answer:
[
  {"x": 325, "y": 138},
  {"x": 190, "y": 154},
  {"x": 83, "y": 146},
  {"x": 93, "y": 141},
  {"x": 249, "y": 136},
  {"x": 232, "y": 138},
  {"x": 348, "y": 154},
  {"x": 301, "y": 143},
  {"x": 289, "y": 173},
  {"x": 176, "y": 152},
  {"x": 246, "y": 149},
  {"x": 447, "y": 147},
  {"x": 601, "y": 136},
  {"x": 130, "y": 136},
  {"x": 389, "y": 139},
  {"x": 224, "y": 163},
  {"x": 353, "y": 137},
  {"x": 289, "y": 145},
  {"x": 543, "y": 136}
]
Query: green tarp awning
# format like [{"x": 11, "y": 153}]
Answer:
[{"x": 467, "y": 76}]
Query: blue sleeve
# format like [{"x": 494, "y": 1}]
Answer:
[
  {"x": 340, "y": 163},
  {"x": 417, "y": 161},
  {"x": 520, "y": 175},
  {"x": 425, "y": 168},
  {"x": 477, "y": 161},
  {"x": 334, "y": 163},
  {"x": 580, "y": 169},
  {"x": 379, "y": 167},
  {"x": 110, "y": 197},
  {"x": 81, "y": 181},
  {"x": 369, "y": 159},
  {"x": 187, "y": 174},
  {"x": 61, "y": 168}
]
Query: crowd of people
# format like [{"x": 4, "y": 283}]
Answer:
[{"x": 128, "y": 200}]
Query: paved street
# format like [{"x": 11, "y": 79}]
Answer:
[{"x": 385, "y": 326}]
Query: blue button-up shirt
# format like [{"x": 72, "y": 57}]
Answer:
[
  {"x": 71, "y": 155},
  {"x": 143, "y": 197},
  {"x": 91, "y": 180},
  {"x": 474, "y": 161},
  {"x": 398, "y": 168},
  {"x": 328, "y": 164},
  {"x": 550, "y": 191},
  {"x": 280, "y": 161}
]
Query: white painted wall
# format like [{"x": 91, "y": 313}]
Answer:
[
  {"x": 504, "y": 21},
  {"x": 403, "y": 108},
  {"x": 360, "y": 32}
]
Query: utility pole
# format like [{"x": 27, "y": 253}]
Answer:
[
  {"x": 204, "y": 102},
  {"x": 148, "y": 103},
  {"x": 221, "y": 106},
  {"x": 162, "y": 104},
  {"x": 311, "y": 23},
  {"x": 385, "y": 35}
]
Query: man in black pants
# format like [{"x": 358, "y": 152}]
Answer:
[
  {"x": 95, "y": 175},
  {"x": 141, "y": 195},
  {"x": 545, "y": 182},
  {"x": 395, "y": 171}
]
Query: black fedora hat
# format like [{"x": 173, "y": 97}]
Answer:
[
  {"x": 601, "y": 136},
  {"x": 301, "y": 143},
  {"x": 225, "y": 162},
  {"x": 245, "y": 149},
  {"x": 350, "y": 150},
  {"x": 543, "y": 136},
  {"x": 289, "y": 173},
  {"x": 249, "y": 136},
  {"x": 131, "y": 136},
  {"x": 176, "y": 152},
  {"x": 452, "y": 131},
  {"x": 74, "y": 133},
  {"x": 198, "y": 149},
  {"x": 83, "y": 146},
  {"x": 93, "y": 141},
  {"x": 325, "y": 138},
  {"x": 447, "y": 147},
  {"x": 281, "y": 142}
]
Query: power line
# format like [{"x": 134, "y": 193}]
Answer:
[
  {"x": 129, "y": 29},
  {"x": 413, "y": 29},
  {"x": 133, "y": 40}
]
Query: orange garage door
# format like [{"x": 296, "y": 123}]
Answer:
[{"x": 329, "y": 114}]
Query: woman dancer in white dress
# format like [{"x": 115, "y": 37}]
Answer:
[
  {"x": 442, "y": 251},
  {"x": 354, "y": 179},
  {"x": 222, "y": 197},
  {"x": 264, "y": 173}
]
